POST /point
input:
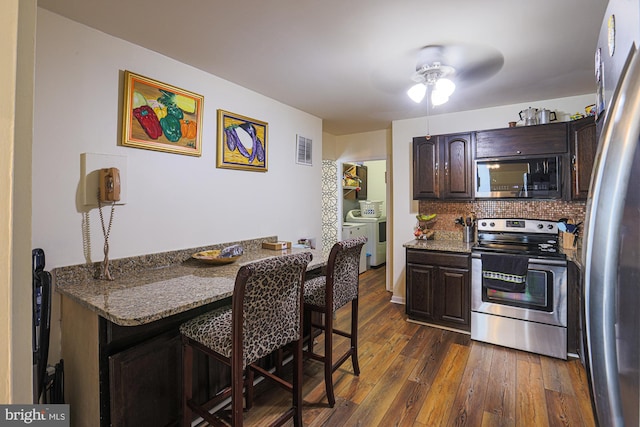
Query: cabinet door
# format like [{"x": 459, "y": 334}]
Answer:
[
  {"x": 457, "y": 182},
  {"x": 146, "y": 383},
  {"x": 420, "y": 291},
  {"x": 583, "y": 152},
  {"x": 425, "y": 168},
  {"x": 522, "y": 141},
  {"x": 452, "y": 296},
  {"x": 362, "y": 174}
]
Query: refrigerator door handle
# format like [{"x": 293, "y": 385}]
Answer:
[{"x": 605, "y": 206}]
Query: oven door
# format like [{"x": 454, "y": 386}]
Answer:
[{"x": 543, "y": 301}]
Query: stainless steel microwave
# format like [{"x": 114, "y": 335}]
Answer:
[{"x": 530, "y": 178}]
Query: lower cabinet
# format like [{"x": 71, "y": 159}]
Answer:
[
  {"x": 141, "y": 372},
  {"x": 146, "y": 383},
  {"x": 438, "y": 288},
  {"x": 575, "y": 312}
]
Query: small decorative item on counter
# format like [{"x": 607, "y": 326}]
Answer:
[
  {"x": 577, "y": 116},
  {"x": 276, "y": 246},
  {"x": 422, "y": 229},
  {"x": 231, "y": 251},
  {"x": 224, "y": 256}
]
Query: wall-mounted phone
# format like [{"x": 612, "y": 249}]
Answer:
[{"x": 109, "y": 185}]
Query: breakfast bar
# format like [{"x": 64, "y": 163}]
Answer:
[{"x": 120, "y": 341}]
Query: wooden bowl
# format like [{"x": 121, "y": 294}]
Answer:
[{"x": 212, "y": 257}]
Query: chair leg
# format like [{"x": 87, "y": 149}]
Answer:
[
  {"x": 354, "y": 337},
  {"x": 297, "y": 382},
  {"x": 249, "y": 388},
  {"x": 308, "y": 314},
  {"x": 328, "y": 359},
  {"x": 187, "y": 388},
  {"x": 237, "y": 380}
]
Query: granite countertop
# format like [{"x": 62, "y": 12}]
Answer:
[
  {"x": 572, "y": 254},
  {"x": 440, "y": 245},
  {"x": 142, "y": 296}
]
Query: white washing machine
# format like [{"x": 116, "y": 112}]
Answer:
[
  {"x": 377, "y": 236},
  {"x": 351, "y": 230}
]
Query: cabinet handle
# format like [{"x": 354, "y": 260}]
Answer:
[
  {"x": 446, "y": 168},
  {"x": 574, "y": 163},
  {"x": 518, "y": 152},
  {"x": 436, "y": 168}
]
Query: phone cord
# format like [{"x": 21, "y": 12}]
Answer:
[{"x": 105, "y": 264}]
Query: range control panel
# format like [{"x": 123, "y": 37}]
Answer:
[{"x": 518, "y": 225}]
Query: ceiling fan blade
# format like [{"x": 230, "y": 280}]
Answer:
[{"x": 472, "y": 63}]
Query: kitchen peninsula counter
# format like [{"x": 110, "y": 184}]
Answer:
[{"x": 140, "y": 297}]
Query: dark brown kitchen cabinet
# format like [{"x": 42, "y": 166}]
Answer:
[
  {"x": 522, "y": 141},
  {"x": 438, "y": 288},
  {"x": 442, "y": 167},
  {"x": 140, "y": 370},
  {"x": 575, "y": 312},
  {"x": 583, "y": 146},
  {"x": 146, "y": 383}
]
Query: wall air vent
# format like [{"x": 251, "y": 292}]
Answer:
[{"x": 303, "y": 151}]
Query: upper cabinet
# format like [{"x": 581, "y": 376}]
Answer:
[
  {"x": 522, "y": 141},
  {"x": 354, "y": 181},
  {"x": 583, "y": 146},
  {"x": 442, "y": 167}
]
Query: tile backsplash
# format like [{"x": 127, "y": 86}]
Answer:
[{"x": 534, "y": 209}]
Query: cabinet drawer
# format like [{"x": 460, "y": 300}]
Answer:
[
  {"x": 417, "y": 256},
  {"x": 522, "y": 141}
]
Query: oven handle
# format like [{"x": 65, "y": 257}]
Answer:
[{"x": 532, "y": 260}]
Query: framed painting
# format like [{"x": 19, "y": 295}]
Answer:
[
  {"x": 242, "y": 142},
  {"x": 161, "y": 117}
]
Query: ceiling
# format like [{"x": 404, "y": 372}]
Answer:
[{"x": 350, "y": 62}]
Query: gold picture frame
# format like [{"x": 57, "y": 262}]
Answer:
[
  {"x": 161, "y": 117},
  {"x": 242, "y": 142}
]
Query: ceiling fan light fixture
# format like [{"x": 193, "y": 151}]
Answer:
[
  {"x": 445, "y": 86},
  {"x": 433, "y": 75},
  {"x": 438, "y": 97},
  {"x": 417, "y": 92}
]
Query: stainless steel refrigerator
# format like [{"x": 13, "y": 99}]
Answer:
[{"x": 611, "y": 248}]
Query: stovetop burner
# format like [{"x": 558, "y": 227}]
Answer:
[{"x": 535, "y": 238}]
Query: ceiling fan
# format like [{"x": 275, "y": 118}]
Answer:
[{"x": 442, "y": 67}]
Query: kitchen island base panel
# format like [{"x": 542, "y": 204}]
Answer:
[
  {"x": 80, "y": 352},
  {"x": 544, "y": 339}
]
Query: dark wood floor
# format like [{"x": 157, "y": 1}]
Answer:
[{"x": 415, "y": 375}]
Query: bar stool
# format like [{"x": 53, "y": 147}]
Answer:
[
  {"x": 265, "y": 314},
  {"x": 325, "y": 294}
]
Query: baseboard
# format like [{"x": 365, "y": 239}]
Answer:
[{"x": 397, "y": 300}]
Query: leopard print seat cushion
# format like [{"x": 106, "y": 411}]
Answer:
[
  {"x": 271, "y": 310},
  {"x": 346, "y": 268}
]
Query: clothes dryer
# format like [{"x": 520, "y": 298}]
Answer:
[
  {"x": 351, "y": 230},
  {"x": 377, "y": 236}
]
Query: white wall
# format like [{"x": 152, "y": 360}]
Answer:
[
  {"x": 17, "y": 25},
  {"x": 173, "y": 201},
  {"x": 362, "y": 146},
  {"x": 404, "y": 208}
]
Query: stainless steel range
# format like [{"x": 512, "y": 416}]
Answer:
[{"x": 531, "y": 315}]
